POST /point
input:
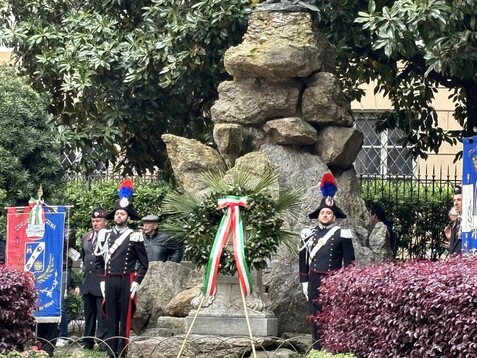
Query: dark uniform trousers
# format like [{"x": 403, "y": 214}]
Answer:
[
  {"x": 119, "y": 309},
  {"x": 94, "y": 317},
  {"x": 47, "y": 333},
  {"x": 93, "y": 313},
  {"x": 126, "y": 264},
  {"x": 314, "y": 307},
  {"x": 336, "y": 252}
]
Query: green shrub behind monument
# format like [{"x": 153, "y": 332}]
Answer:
[
  {"x": 85, "y": 195},
  {"x": 419, "y": 212}
]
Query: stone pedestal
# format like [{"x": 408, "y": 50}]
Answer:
[{"x": 224, "y": 314}]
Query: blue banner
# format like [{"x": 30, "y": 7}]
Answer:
[
  {"x": 38, "y": 248},
  {"x": 469, "y": 196},
  {"x": 49, "y": 278}
]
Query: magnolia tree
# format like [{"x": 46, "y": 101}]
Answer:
[
  {"x": 122, "y": 73},
  {"x": 410, "y": 48},
  {"x": 30, "y": 145}
]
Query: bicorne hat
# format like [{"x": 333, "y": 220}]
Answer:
[
  {"x": 125, "y": 193},
  {"x": 328, "y": 189}
]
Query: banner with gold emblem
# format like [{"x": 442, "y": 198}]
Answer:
[{"x": 35, "y": 244}]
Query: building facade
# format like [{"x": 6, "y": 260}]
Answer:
[
  {"x": 383, "y": 155},
  {"x": 4, "y": 54}
]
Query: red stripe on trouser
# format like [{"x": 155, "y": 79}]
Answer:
[{"x": 130, "y": 315}]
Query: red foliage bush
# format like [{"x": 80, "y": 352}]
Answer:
[
  {"x": 414, "y": 309},
  {"x": 17, "y": 302}
]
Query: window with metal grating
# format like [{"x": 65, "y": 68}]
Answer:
[{"x": 382, "y": 154}]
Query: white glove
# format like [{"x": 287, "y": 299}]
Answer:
[
  {"x": 102, "y": 286},
  {"x": 134, "y": 288},
  {"x": 304, "y": 286}
]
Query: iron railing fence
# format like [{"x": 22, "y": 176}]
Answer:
[
  {"x": 418, "y": 206},
  {"x": 108, "y": 176}
]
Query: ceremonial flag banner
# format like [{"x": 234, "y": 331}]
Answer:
[
  {"x": 469, "y": 196},
  {"x": 35, "y": 243}
]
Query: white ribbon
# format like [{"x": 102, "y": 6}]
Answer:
[
  {"x": 116, "y": 244},
  {"x": 322, "y": 241}
]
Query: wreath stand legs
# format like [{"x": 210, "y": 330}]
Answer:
[
  {"x": 248, "y": 325},
  {"x": 197, "y": 313}
]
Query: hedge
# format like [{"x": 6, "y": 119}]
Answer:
[
  {"x": 419, "y": 212},
  {"x": 413, "y": 309},
  {"x": 85, "y": 196},
  {"x": 17, "y": 303}
]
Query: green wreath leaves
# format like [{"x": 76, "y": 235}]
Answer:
[{"x": 195, "y": 222}]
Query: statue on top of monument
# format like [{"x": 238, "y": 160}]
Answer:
[{"x": 288, "y": 5}]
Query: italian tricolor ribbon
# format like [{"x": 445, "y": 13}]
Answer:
[
  {"x": 37, "y": 214},
  {"x": 231, "y": 224}
]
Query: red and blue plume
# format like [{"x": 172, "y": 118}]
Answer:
[
  {"x": 328, "y": 185},
  {"x": 126, "y": 189}
]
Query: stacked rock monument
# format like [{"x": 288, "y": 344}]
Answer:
[{"x": 284, "y": 108}]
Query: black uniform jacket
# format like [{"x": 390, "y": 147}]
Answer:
[
  {"x": 337, "y": 250},
  {"x": 123, "y": 260},
  {"x": 90, "y": 274}
]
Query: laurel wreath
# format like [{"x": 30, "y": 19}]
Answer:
[{"x": 195, "y": 222}]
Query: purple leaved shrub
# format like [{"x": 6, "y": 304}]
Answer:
[
  {"x": 17, "y": 303},
  {"x": 413, "y": 309}
]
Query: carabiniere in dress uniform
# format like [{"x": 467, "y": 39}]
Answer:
[
  {"x": 122, "y": 263},
  {"x": 324, "y": 248}
]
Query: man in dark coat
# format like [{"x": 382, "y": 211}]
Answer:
[
  {"x": 455, "y": 245},
  {"x": 122, "y": 262},
  {"x": 90, "y": 288},
  {"x": 159, "y": 246},
  {"x": 324, "y": 248}
]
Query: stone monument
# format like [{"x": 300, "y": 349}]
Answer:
[{"x": 284, "y": 107}]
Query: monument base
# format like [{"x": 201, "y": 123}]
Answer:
[
  {"x": 224, "y": 315},
  {"x": 232, "y": 326}
]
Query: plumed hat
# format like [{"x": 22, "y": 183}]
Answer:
[
  {"x": 99, "y": 213},
  {"x": 328, "y": 189},
  {"x": 125, "y": 193}
]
